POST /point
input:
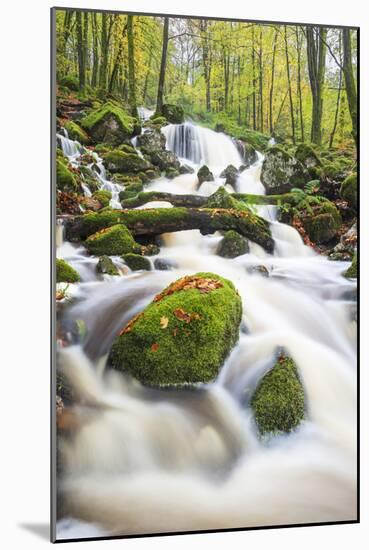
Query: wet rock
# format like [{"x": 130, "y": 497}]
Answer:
[
  {"x": 151, "y": 141},
  {"x": 165, "y": 160},
  {"x": 308, "y": 157},
  {"x": 232, "y": 245},
  {"x": 172, "y": 173},
  {"x": 323, "y": 224},
  {"x": 351, "y": 272},
  {"x": 231, "y": 175},
  {"x": 204, "y": 174},
  {"x": 103, "y": 196},
  {"x": 173, "y": 113},
  {"x": 119, "y": 161},
  {"x": 130, "y": 190},
  {"x": 279, "y": 401},
  {"x": 106, "y": 266},
  {"x": 185, "y": 169},
  {"x": 91, "y": 203},
  {"x": 164, "y": 264},
  {"x": 258, "y": 270},
  {"x": 247, "y": 151},
  {"x": 184, "y": 335},
  {"x": 281, "y": 172},
  {"x": 137, "y": 262},
  {"x": 348, "y": 191},
  {"x": 66, "y": 179},
  {"x": 150, "y": 249}
]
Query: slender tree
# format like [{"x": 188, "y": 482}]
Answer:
[
  {"x": 316, "y": 54},
  {"x": 131, "y": 67},
  {"x": 163, "y": 64},
  {"x": 349, "y": 80},
  {"x": 80, "y": 51},
  {"x": 271, "y": 89},
  {"x": 289, "y": 85}
]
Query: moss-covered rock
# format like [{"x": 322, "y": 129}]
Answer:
[
  {"x": 130, "y": 191},
  {"x": 323, "y": 225},
  {"x": 349, "y": 191},
  {"x": 281, "y": 172},
  {"x": 103, "y": 196},
  {"x": 173, "y": 113},
  {"x": 204, "y": 174},
  {"x": 112, "y": 240},
  {"x": 172, "y": 173},
  {"x": 151, "y": 141},
  {"x": 279, "y": 401},
  {"x": 232, "y": 245},
  {"x": 351, "y": 272},
  {"x": 66, "y": 273},
  {"x": 119, "y": 161},
  {"x": 308, "y": 157},
  {"x": 70, "y": 82},
  {"x": 77, "y": 133},
  {"x": 137, "y": 262},
  {"x": 109, "y": 124},
  {"x": 222, "y": 199},
  {"x": 184, "y": 335},
  {"x": 164, "y": 160},
  {"x": 66, "y": 180},
  {"x": 156, "y": 122},
  {"x": 106, "y": 266}
]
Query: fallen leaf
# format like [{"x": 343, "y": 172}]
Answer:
[
  {"x": 164, "y": 322},
  {"x": 154, "y": 347}
]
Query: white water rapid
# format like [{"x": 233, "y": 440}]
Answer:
[{"x": 145, "y": 461}]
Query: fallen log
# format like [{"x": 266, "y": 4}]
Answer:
[
  {"x": 198, "y": 201},
  {"x": 155, "y": 221}
]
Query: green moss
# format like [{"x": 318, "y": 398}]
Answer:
[
  {"x": 279, "y": 402},
  {"x": 306, "y": 154},
  {"x": 109, "y": 123},
  {"x": 323, "y": 224},
  {"x": 103, "y": 196},
  {"x": 232, "y": 245},
  {"x": 76, "y": 133},
  {"x": 184, "y": 335},
  {"x": 172, "y": 113},
  {"x": 120, "y": 161},
  {"x": 137, "y": 262},
  {"x": 349, "y": 190},
  {"x": 66, "y": 273},
  {"x": 65, "y": 179},
  {"x": 222, "y": 199},
  {"x": 111, "y": 241},
  {"x": 351, "y": 272},
  {"x": 130, "y": 191},
  {"x": 106, "y": 266},
  {"x": 70, "y": 82},
  {"x": 281, "y": 172}
]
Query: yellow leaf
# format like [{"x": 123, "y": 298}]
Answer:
[{"x": 164, "y": 322}]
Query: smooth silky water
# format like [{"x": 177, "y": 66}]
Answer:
[{"x": 146, "y": 461}]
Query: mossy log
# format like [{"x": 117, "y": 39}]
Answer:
[
  {"x": 197, "y": 201},
  {"x": 151, "y": 222}
]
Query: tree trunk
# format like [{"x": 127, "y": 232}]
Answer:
[
  {"x": 271, "y": 91},
  {"x": 331, "y": 137},
  {"x": 95, "y": 51},
  {"x": 85, "y": 44},
  {"x": 261, "y": 119},
  {"x": 131, "y": 67},
  {"x": 349, "y": 80},
  {"x": 104, "y": 52},
  {"x": 159, "y": 101},
  {"x": 80, "y": 51},
  {"x": 289, "y": 87},
  {"x": 298, "y": 47},
  {"x": 153, "y": 222},
  {"x": 206, "y": 61},
  {"x": 316, "y": 53},
  {"x": 253, "y": 80}
]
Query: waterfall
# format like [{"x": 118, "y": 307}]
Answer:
[
  {"x": 201, "y": 145},
  {"x": 145, "y": 460}
]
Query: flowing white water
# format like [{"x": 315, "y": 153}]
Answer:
[{"x": 144, "y": 461}]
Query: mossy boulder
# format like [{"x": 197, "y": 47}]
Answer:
[
  {"x": 164, "y": 160},
  {"x": 66, "y": 180},
  {"x": 172, "y": 173},
  {"x": 281, "y": 172},
  {"x": 106, "y": 266},
  {"x": 351, "y": 272},
  {"x": 71, "y": 82},
  {"x": 323, "y": 225},
  {"x": 109, "y": 124},
  {"x": 137, "y": 262},
  {"x": 204, "y": 174},
  {"x": 150, "y": 141},
  {"x": 232, "y": 245},
  {"x": 77, "y": 133},
  {"x": 185, "y": 169},
  {"x": 231, "y": 175},
  {"x": 130, "y": 191},
  {"x": 103, "y": 196},
  {"x": 222, "y": 199},
  {"x": 66, "y": 273},
  {"x": 112, "y": 240},
  {"x": 121, "y": 162},
  {"x": 279, "y": 400},
  {"x": 348, "y": 191},
  {"x": 308, "y": 157},
  {"x": 173, "y": 113},
  {"x": 156, "y": 122},
  {"x": 184, "y": 335}
]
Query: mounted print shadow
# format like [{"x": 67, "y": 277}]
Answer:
[{"x": 205, "y": 201}]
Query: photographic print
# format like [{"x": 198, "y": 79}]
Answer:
[{"x": 205, "y": 203}]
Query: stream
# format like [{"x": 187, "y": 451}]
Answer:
[{"x": 147, "y": 461}]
